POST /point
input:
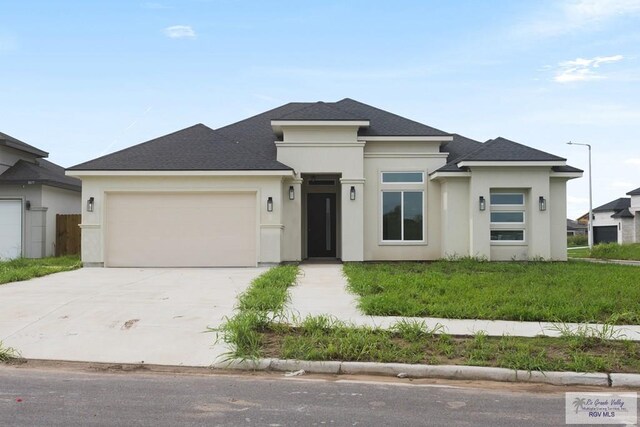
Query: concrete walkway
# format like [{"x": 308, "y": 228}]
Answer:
[
  {"x": 321, "y": 289},
  {"x": 122, "y": 315}
]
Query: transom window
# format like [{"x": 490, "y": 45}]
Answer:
[
  {"x": 507, "y": 217},
  {"x": 402, "y": 216},
  {"x": 402, "y": 177}
]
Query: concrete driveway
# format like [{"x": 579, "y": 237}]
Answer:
[{"x": 122, "y": 315}]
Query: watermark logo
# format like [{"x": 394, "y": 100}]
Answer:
[{"x": 601, "y": 408}]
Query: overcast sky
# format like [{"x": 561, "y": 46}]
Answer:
[{"x": 80, "y": 79}]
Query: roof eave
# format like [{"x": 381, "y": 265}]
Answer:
[
  {"x": 27, "y": 149},
  {"x": 208, "y": 172},
  {"x": 501, "y": 163}
]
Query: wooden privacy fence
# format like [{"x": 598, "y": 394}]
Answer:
[{"x": 68, "y": 234}]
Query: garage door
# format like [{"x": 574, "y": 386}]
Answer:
[
  {"x": 10, "y": 229},
  {"x": 180, "y": 229},
  {"x": 605, "y": 234}
]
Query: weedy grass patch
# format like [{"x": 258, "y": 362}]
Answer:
[
  {"x": 526, "y": 291},
  {"x": 27, "y": 268}
]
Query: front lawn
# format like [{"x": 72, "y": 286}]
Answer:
[
  {"x": 526, "y": 291},
  {"x": 25, "y": 268}
]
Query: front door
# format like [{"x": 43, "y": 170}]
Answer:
[{"x": 321, "y": 225}]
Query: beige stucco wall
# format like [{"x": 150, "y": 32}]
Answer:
[
  {"x": 269, "y": 229},
  {"x": 57, "y": 201},
  {"x": 545, "y": 233},
  {"x": 398, "y": 157}
]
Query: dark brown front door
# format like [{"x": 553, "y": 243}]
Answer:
[{"x": 321, "y": 225}]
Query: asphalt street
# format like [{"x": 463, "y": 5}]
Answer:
[{"x": 44, "y": 397}]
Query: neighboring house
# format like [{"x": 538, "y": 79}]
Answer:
[
  {"x": 618, "y": 221},
  {"x": 321, "y": 180},
  {"x": 575, "y": 228},
  {"x": 32, "y": 192}
]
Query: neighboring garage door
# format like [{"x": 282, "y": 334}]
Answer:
[
  {"x": 180, "y": 230},
  {"x": 10, "y": 229},
  {"x": 605, "y": 234}
]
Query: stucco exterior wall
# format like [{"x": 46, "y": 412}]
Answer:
[
  {"x": 557, "y": 207},
  {"x": 401, "y": 157},
  {"x": 57, "y": 201},
  {"x": 627, "y": 231},
  {"x": 270, "y": 224},
  {"x": 534, "y": 182}
]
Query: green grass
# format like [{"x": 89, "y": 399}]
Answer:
[
  {"x": 320, "y": 338},
  {"x": 257, "y": 307},
  {"x": 608, "y": 251},
  {"x": 578, "y": 253},
  {"x": 525, "y": 291},
  {"x": 615, "y": 251},
  {"x": 577, "y": 240},
  {"x": 8, "y": 353},
  {"x": 26, "y": 268}
]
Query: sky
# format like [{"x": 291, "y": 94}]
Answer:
[{"x": 81, "y": 79}]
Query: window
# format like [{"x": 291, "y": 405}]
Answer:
[
  {"x": 402, "y": 177},
  {"x": 507, "y": 217},
  {"x": 402, "y": 216}
]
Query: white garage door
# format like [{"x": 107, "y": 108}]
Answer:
[
  {"x": 10, "y": 229},
  {"x": 180, "y": 229}
]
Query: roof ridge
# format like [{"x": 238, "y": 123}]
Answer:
[
  {"x": 257, "y": 115},
  {"x": 330, "y": 105}
]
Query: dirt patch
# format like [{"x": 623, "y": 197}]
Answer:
[{"x": 129, "y": 324}]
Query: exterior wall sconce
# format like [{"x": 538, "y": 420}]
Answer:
[
  {"x": 352, "y": 193},
  {"x": 269, "y": 204},
  {"x": 90, "y": 204},
  {"x": 292, "y": 193},
  {"x": 27, "y": 205},
  {"x": 542, "y": 203},
  {"x": 482, "y": 204}
]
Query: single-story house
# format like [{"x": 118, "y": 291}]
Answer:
[
  {"x": 32, "y": 192},
  {"x": 575, "y": 228},
  {"x": 618, "y": 221},
  {"x": 334, "y": 180}
]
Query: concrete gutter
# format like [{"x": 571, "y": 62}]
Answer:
[
  {"x": 451, "y": 372},
  {"x": 401, "y": 370}
]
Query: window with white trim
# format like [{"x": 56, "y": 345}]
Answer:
[
  {"x": 402, "y": 177},
  {"x": 402, "y": 216},
  {"x": 507, "y": 217}
]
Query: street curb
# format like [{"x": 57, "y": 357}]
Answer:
[
  {"x": 625, "y": 380},
  {"x": 453, "y": 372}
]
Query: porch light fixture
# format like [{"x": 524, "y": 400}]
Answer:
[
  {"x": 90, "y": 204},
  {"x": 352, "y": 193},
  {"x": 27, "y": 205},
  {"x": 482, "y": 204},
  {"x": 292, "y": 193},
  {"x": 542, "y": 203},
  {"x": 269, "y": 204}
]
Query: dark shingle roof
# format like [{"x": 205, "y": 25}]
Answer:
[
  {"x": 616, "y": 205},
  {"x": 320, "y": 111},
  {"x": 460, "y": 146},
  {"x": 384, "y": 123},
  {"x": 624, "y": 213},
  {"x": 194, "y": 148},
  {"x": 575, "y": 225},
  {"x": 635, "y": 192},
  {"x": 10, "y": 141},
  {"x": 502, "y": 149},
  {"x": 41, "y": 172}
]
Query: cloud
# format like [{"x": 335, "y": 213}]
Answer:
[
  {"x": 582, "y": 69},
  {"x": 633, "y": 161},
  {"x": 579, "y": 15},
  {"x": 180, "y": 32},
  {"x": 621, "y": 184}
]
